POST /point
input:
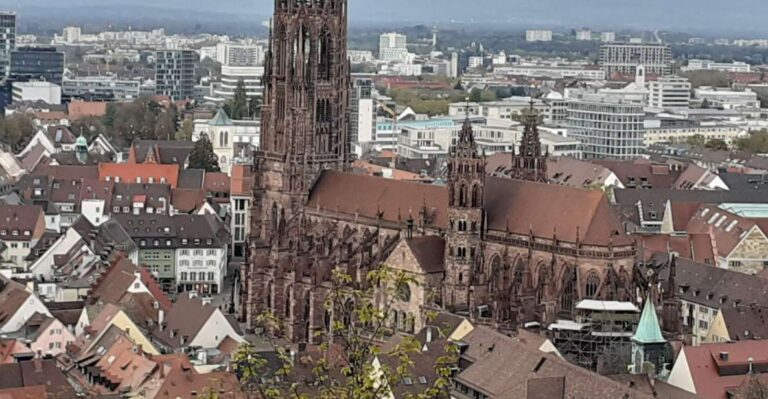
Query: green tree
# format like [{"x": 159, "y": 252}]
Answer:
[
  {"x": 476, "y": 95},
  {"x": 108, "y": 119},
  {"x": 254, "y": 107},
  {"x": 203, "y": 157},
  {"x": 755, "y": 142},
  {"x": 239, "y": 104},
  {"x": 353, "y": 365},
  {"x": 16, "y": 130},
  {"x": 696, "y": 140},
  {"x": 185, "y": 133},
  {"x": 717, "y": 144}
]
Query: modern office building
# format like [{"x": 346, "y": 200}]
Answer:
[
  {"x": 101, "y": 88},
  {"x": 36, "y": 91},
  {"x": 175, "y": 73},
  {"x": 37, "y": 63},
  {"x": 669, "y": 92},
  {"x": 7, "y": 42},
  {"x": 607, "y": 37},
  {"x": 727, "y": 99},
  {"x": 538, "y": 35},
  {"x": 607, "y": 126},
  {"x": 583, "y": 35},
  {"x": 623, "y": 58},
  {"x": 393, "y": 47},
  {"x": 239, "y": 54},
  {"x": 230, "y": 77}
]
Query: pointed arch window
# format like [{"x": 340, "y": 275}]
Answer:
[
  {"x": 593, "y": 284},
  {"x": 476, "y": 196}
]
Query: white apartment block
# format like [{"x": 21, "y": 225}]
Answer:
[
  {"x": 230, "y": 77},
  {"x": 98, "y": 87},
  {"x": 584, "y": 35},
  {"x": 607, "y": 37},
  {"x": 393, "y": 47},
  {"x": 239, "y": 54},
  {"x": 709, "y": 65},
  {"x": 625, "y": 57},
  {"x": 475, "y": 62},
  {"x": 201, "y": 269},
  {"x": 669, "y": 92},
  {"x": 359, "y": 56},
  {"x": 538, "y": 35},
  {"x": 607, "y": 126},
  {"x": 549, "y": 71}
]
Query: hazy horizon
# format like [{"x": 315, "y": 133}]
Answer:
[{"x": 680, "y": 15}]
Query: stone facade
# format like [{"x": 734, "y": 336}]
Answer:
[{"x": 514, "y": 251}]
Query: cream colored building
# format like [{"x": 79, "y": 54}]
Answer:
[{"x": 727, "y": 133}]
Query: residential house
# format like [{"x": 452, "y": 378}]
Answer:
[
  {"x": 241, "y": 192},
  {"x": 150, "y": 173},
  {"x": 21, "y": 227},
  {"x": 37, "y": 378},
  {"x": 160, "y": 152},
  {"x": 201, "y": 253},
  {"x": 715, "y": 371},
  {"x": 13, "y": 350},
  {"x": 738, "y": 323},
  {"x": 109, "y": 317},
  {"x": 740, "y": 243},
  {"x": 43, "y": 335},
  {"x": 54, "y": 139},
  {"x": 492, "y": 365},
  {"x": 17, "y": 305},
  {"x": 206, "y": 330}
]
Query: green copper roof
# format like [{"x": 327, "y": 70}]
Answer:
[
  {"x": 81, "y": 142},
  {"x": 648, "y": 330},
  {"x": 221, "y": 119}
]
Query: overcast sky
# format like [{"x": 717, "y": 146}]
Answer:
[{"x": 700, "y": 15}]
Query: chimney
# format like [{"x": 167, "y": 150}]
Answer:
[
  {"x": 192, "y": 294},
  {"x": 161, "y": 319},
  {"x": 724, "y": 356},
  {"x": 38, "y": 363},
  {"x": 206, "y": 300}
]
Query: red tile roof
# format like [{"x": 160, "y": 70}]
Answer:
[
  {"x": 81, "y": 109},
  {"x": 518, "y": 206},
  {"x": 725, "y": 228},
  {"x": 129, "y": 173},
  {"x": 712, "y": 376},
  {"x": 216, "y": 182},
  {"x": 241, "y": 181},
  {"x": 696, "y": 247}
]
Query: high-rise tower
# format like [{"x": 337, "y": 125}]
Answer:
[{"x": 305, "y": 115}]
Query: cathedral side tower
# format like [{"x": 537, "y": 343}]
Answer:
[
  {"x": 466, "y": 186},
  {"x": 530, "y": 163}
]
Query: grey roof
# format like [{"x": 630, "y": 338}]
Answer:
[
  {"x": 180, "y": 231},
  {"x": 191, "y": 178},
  {"x": 221, "y": 119}
]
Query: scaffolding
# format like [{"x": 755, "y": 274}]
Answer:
[{"x": 601, "y": 329}]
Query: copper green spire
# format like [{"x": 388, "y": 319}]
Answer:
[{"x": 648, "y": 330}]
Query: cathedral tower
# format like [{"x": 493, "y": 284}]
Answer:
[
  {"x": 305, "y": 116},
  {"x": 530, "y": 163},
  {"x": 466, "y": 186}
]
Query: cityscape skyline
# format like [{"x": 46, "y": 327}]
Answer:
[{"x": 718, "y": 18}]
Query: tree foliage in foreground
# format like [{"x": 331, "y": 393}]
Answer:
[{"x": 350, "y": 364}]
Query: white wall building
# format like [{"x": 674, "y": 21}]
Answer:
[
  {"x": 551, "y": 71},
  {"x": 538, "y": 35},
  {"x": 201, "y": 269},
  {"x": 231, "y": 75},
  {"x": 393, "y": 47},
  {"x": 709, "y": 65},
  {"x": 225, "y": 133},
  {"x": 727, "y": 132},
  {"x": 607, "y": 37},
  {"x": 239, "y": 54},
  {"x": 359, "y": 56},
  {"x": 475, "y": 62},
  {"x": 584, "y": 35},
  {"x": 37, "y": 91},
  {"x": 727, "y": 99},
  {"x": 607, "y": 126},
  {"x": 669, "y": 92}
]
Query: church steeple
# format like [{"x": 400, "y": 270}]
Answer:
[
  {"x": 466, "y": 187},
  {"x": 530, "y": 163},
  {"x": 649, "y": 347}
]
